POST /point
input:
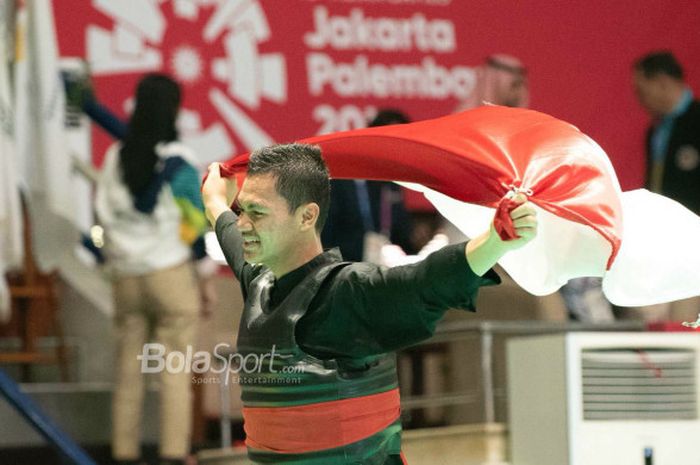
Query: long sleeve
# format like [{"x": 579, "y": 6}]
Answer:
[
  {"x": 104, "y": 118},
  {"x": 368, "y": 310},
  {"x": 185, "y": 187}
]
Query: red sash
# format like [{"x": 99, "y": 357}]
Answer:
[{"x": 325, "y": 425}]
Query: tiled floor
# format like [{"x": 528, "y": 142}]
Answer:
[{"x": 455, "y": 445}]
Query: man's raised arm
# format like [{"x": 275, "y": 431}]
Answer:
[{"x": 217, "y": 195}]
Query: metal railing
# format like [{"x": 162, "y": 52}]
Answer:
[
  {"x": 452, "y": 331},
  {"x": 41, "y": 422}
]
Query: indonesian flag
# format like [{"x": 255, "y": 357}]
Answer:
[{"x": 470, "y": 163}]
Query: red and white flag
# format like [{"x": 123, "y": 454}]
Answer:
[{"x": 468, "y": 164}]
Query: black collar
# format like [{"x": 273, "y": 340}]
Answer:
[{"x": 284, "y": 285}]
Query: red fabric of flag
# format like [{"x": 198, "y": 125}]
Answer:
[{"x": 480, "y": 156}]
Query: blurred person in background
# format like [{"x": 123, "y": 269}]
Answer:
[
  {"x": 500, "y": 80},
  {"x": 366, "y": 215},
  {"x": 673, "y": 139},
  {"x": 672, "y": 150},
  {"x": 149, "y": 204}
]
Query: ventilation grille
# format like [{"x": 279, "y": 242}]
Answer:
[{"x": 644, "y": 384}]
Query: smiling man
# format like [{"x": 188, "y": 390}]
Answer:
[{"x": 332, "y": 395}]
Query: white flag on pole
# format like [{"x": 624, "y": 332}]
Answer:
[
  {"x": 44, "y": 162},
  {"x": 11, "y": 244}
]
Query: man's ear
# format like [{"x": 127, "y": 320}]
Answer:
[{"x": 308, "y": 214}]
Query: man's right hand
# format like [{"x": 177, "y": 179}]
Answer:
[{"x": 217, "y": 193}]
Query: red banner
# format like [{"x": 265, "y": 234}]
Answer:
[{"x": 262, "y": 71}]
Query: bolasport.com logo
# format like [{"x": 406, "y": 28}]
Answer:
[
  {"x": 224, "y": 363},
  {"x": 212, "y": 48}
]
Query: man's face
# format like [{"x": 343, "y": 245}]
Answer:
[
  {"x": 269, "y": 229},
  {"x": 515, "y": 95},
  {"x": 651, "y": 93}
]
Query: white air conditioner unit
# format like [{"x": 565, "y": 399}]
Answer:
[{"x": 604, "y": 399}]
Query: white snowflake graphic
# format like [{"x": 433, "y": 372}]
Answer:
[
  {"x": 187, "y": 64},
  {"x": 135, "y": 44}
]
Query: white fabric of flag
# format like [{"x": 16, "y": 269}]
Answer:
[
  {"x": 658, "y": 262},
  {"x": 468, "y": 164}
]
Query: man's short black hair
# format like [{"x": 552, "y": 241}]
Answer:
[
  {"x": 661, "y": 62},
  {"x": 301, "y": 175}
]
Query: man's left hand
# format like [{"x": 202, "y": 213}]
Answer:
[{"x": 524, "y": 218}]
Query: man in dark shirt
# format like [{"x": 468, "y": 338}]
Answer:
[
  {"x": 672, "y": 151},
  {"x": 360, "y": 208},
  {"x": 673, "y": 139},
  {"x": 329, "y": 395}
]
